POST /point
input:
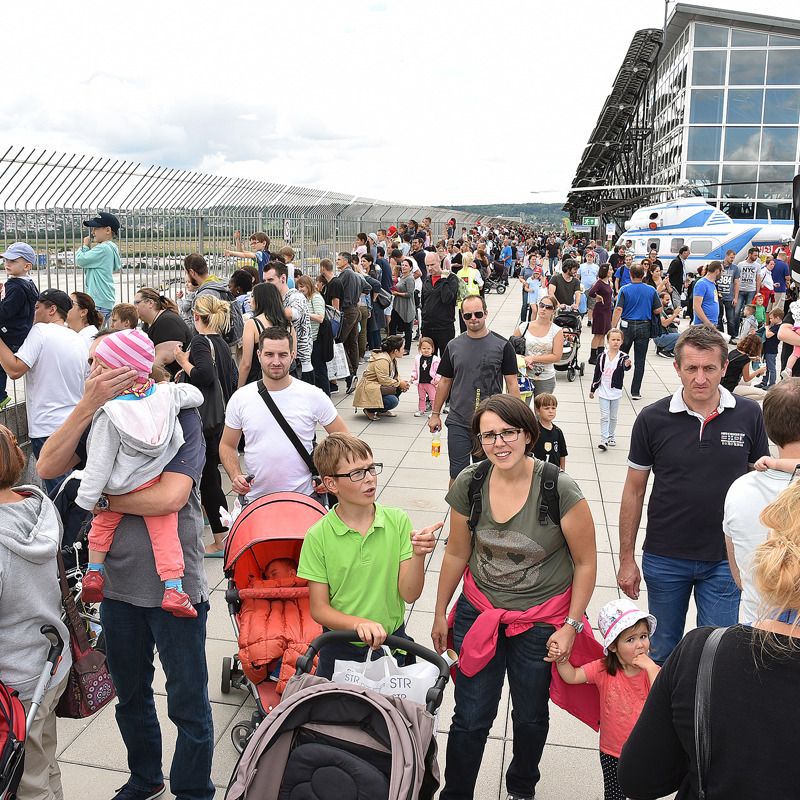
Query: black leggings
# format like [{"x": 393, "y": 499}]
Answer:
[
  {"x": 611, "y": 788},
  {"x": 211, "y": 494},
  {"x": 397, "y": 323}
]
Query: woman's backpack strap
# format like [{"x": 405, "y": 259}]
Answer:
[
  {"x": 475, "y": 498},
  {"x": 550, "y": 504}
]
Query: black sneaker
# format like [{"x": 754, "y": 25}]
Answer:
[
  {"x": 636, "y": 397},
  {"x": 129, "y": 793},
  {"x": 662, "y": 353}
]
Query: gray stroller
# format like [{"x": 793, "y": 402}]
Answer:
[{"x": 336, "y": 741}]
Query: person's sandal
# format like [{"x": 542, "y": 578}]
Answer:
[{"x": 370, "y": 416}]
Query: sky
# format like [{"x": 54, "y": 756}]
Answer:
[{"x": 441, "y": 102}]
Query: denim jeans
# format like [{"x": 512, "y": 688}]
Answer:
[
  {"x": 477, "y": 699},
  {"x": 744, "y": 299},
  {"x": 772, "y": 369},
  {"x": 132, "y": 634},
  {"x": 728, "y": 314},
  {"x": 50, "y": 484},
  {"x": 666, "y": 341},
  {"x": 637, "y": 335},
  {"x": 608, "y": 418},
  {"x": 390, "y": 401},
  {"x": 670, "y": 582},
  {"x": 552, "y": 263}
]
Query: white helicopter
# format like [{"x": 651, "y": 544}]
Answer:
[{"x": 709, "y": 232}]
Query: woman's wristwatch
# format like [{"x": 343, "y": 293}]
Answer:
[{"x": 575, "y": 624}]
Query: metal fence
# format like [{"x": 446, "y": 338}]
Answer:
[{"x": 167, "y": 213}]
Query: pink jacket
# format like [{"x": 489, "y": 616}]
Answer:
[
  {"x": 480, "y": 644},
  {"x": 434, "y": 367}
]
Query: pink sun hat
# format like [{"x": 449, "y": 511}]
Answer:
[{"x": 130, "y": 348}]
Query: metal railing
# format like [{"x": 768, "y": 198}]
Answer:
[{"x": 165, "y": 214}]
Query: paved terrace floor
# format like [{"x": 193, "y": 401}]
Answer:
[{"x": 91, "y": 752}]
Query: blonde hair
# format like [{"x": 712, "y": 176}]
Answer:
[
  {"x": 214, "y": 312},
  {"x": 467, "y": 259},
  {"x": 776, "y": 563}
]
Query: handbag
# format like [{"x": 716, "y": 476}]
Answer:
[
  {"x": 212, "y": 410},
  {"x": 702, "y": 709},
  {"x": 89, "y": 684},
  {"x": 338, "y": 367}
]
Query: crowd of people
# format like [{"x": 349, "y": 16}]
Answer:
[{"x": 151, "y": 399}]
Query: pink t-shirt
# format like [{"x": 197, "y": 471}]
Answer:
[{"x": 621, "y": 701}]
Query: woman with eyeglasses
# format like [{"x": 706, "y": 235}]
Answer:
[
  {"x": 83, "y": 317},
  {"x": 603, "y": 309},
  {"x": 544, "y": 346},
  {"x": 164, "y": 325},
  {"x": 526, "y": 587}
]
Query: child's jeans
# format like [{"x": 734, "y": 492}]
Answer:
[
  {"x": 163, "y": 531},
  {"x": 3, "y": 377},
  {"x": 425, "y": 390},
  {"x": 772, "y": 373},
  {"x": 608, "y": 418}
]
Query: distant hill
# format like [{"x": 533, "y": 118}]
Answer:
[{"x": 544, "y": 213}]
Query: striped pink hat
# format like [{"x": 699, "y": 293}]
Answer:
[{"x": 130, "y": 348}]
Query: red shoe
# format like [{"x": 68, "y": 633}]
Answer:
[
  {"x": 178, "y": 603},
  {"x": 92, "y": 589}
]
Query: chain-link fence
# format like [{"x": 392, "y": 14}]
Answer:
[{"x": 166, "y": 214}]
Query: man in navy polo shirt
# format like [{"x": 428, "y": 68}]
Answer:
[
  {"x": 705, "y": 300},
  {"x": 780, "y": 277},
  {"x": 697, "y": 443},
  {"x": 636, "y": 304}
]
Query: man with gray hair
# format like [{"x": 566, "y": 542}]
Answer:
[{"x": 439, "y": 297}]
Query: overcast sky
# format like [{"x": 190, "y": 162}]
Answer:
[{"x": 434, "y": 102}]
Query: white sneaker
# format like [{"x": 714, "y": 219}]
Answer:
[
  {"x": 420, "y": 413},
  {"x": 786, "y": 374},
  {"x": 611, "y": 443}
]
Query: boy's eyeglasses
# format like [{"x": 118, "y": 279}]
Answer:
[
  {"x": 358, "y": 475},
  {"x": 470, "y": 314},
  {"x": 511, "y": 435}
]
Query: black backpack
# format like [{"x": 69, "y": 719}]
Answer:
[
  {"x": 233, "y": 334},
  {"x": 549, "y": 504}
]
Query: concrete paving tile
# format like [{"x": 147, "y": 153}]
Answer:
[
  {"x": 81, "y": 780},
  {"x": 422, "y": 459},
  {"x": 405, "y": 477},
  {"x": 419, "y": 499}
]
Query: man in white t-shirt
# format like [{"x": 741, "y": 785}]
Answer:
[
  {"x": 53, "y": 360},
  {"x": 749, "y": 495},
  {"x": 269, "y": 456}
]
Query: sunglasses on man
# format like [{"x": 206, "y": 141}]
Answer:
[{"x": 468, "y": 315}]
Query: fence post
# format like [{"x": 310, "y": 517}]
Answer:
[
  {"x": 201, "y": 245},
  {"x": 303, "y": 241}
]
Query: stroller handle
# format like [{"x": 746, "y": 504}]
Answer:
[
  {"x": 56, "y": 645},
  {"x": 434, "y": 697}
]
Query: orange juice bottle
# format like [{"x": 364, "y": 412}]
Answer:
[{"x": 436, "y": 444}]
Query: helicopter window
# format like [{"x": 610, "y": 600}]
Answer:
[
  {"x": 782, "y": 106},
  {"x": 702, "y": 246},
  {"x": 738, "y": 210},
  {"x": 779, "y": 144},
  {"x": 747, "y": 67},
  {"x": 675, "y": 246},
  {"x": 653, "y": 243}
]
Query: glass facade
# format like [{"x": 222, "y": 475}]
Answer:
[{"x": 727, "y": 108}]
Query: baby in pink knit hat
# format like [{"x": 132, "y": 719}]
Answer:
[{"x": 132, "y": 439}]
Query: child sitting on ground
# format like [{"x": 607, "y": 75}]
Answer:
[
  {"x": 19, "y": 295},
  {"x": 132, "y": 439},
  {"x": 362, "y": 560},
  {"x": 623, "y": 678},
  {"x": 609, "y": 373},
  {"x": 424, "y": 374},
  {"x": 551, "y": 445}
]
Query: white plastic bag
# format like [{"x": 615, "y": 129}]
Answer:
[
  {"x": 385, "y": 676},
  {"x": 338, "y": 368}
]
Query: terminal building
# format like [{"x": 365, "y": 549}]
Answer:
[{"x": 713, "y": 98}]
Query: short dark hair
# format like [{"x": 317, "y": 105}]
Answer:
[
  {"x": 278, "y": 267},
  {"x": 513, "y": 412},
  {"x": 475, "y": 297},
  {"x": 714, "y": 266},
  {"x": 701, "y": 337},
  {"x": 637, "y": 271},
  {"x": 242, "y": 280},
  {"x": 275, "y": 334},
  {"x": 781, "y": 408},
  {"x": 369, "y": 257},
  {"x": 396, "y": 254},
  {"x": 196, "y": 263},
  {"x": 684, "y": 249},
  {"x": 569, "y": 263}
]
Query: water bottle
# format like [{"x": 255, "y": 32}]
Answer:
[{"x": 436, "y": 444}]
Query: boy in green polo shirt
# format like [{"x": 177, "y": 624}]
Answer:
[{"x": 362, "y": 560}]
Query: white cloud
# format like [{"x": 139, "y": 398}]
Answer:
[{"x": 446, "y": 102}]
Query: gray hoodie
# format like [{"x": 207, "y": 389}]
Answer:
[{"x": 30, "y": 535}]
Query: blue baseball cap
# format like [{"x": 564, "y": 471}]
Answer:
[
  {"x": 21, "y": 250},
  {"x": 103, "y": 220}
]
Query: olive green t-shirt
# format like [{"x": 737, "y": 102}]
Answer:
[
  {"x": 361, "y": 571},
  {"x": 519, "y": 563}
]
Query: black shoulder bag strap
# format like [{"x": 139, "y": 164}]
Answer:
[
  {"x": 550, "y": 503},
  {"x": 286, "y": 428},
  {"x": 702, "y": 710}
]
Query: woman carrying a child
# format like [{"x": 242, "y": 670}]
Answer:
[
  {"x": 527, "y": 582},
  {"x": 754, "y": 684},
  {"x": 378, "y": 391}
]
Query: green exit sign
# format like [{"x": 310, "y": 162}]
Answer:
[{"x": 590, "y": 221}]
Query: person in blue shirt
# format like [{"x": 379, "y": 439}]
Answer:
[
  {"x": 780, "y": 277},
  {"x": 636, "y": 304},
  {"x": 507, "y": 257},
  {"x": 259, "y": 246},
  {"x": 622, "y": 277},
  {"x": 705, "y": 300}
]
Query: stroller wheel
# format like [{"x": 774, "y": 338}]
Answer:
[
  {"x": 240, "y": 736},
  {"x": 227, "y": 669},
  {"x": 571, "y": 374},
  {"x": 501, "y": 288}
]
